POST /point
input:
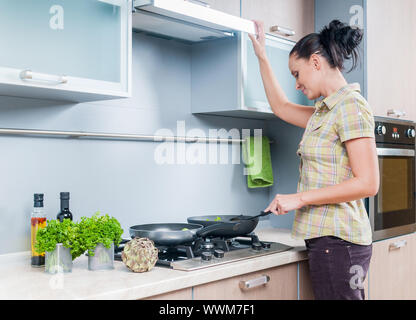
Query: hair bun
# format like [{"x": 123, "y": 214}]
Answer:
[{"x": 341, "y": 42}]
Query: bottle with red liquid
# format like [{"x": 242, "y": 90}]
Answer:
[{"x": 37, "y": 221}]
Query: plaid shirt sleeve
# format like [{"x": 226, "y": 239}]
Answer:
[{"x": 354, "y": 120}]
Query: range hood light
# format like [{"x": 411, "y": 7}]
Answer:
[{"x": 186, "y": 20}]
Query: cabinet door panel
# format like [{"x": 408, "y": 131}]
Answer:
[
  {"x": 67, "y": 37},
  {"x": 294, "y": 14},
  {"x": 278, "y": 54},
  {"x": 282, "y": 285},
  {"x": 391, "y": 272},
  {"x": 305, "y": 284},
  {"x": 391, "y": 84},
  {"x": 77, "y": 50}
]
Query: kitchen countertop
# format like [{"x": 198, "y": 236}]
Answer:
[{"x": 19, "y": 280}]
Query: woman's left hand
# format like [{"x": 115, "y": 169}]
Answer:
[
  {"x": 283, "y": 203},
  {"x": 259, "y": 40}
]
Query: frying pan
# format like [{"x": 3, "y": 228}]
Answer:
[
  {"x": 171, "y": 234},
  {"x": 231, "y": 228}
]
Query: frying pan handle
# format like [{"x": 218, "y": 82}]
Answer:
[
  {"x": 221, "y": 226},
  {"x": 263, "y": 213}
]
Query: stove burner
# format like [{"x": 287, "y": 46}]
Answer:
[
  {"x": 207, "y": 245},
  {"x": 206, "y": 248}
]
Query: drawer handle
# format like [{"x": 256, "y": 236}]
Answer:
[
  {"x": 396, "y": 113},
  {"x": 42, "y": 77},
  {"x": 397, "y": 245},
  {"x": 282, "y": 30},
  {"x": 254, "y": 282}
]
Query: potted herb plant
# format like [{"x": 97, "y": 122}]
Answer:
[
  {"x": 98, "y": 235},
  {"x": 59, "y": 242}
]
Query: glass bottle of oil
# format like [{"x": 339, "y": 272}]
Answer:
[{"x": 37, "y": 221}]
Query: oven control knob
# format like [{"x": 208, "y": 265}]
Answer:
[
  {"x": 218, "y": 253},
  {"x": 381, "y": 130},
  {"x": 411, "y": 133},
  {"x": 256, "y": 246},
  {"x": 206, "y": 256}
]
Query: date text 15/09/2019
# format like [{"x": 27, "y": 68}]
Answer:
[{"x": 209, "y": 309}]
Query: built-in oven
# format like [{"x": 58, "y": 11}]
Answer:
[{"x": 392, "y": 211}]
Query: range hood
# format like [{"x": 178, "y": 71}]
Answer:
[{"x": 186, "y": 21}]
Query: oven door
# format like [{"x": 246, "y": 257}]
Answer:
[{"x": 392, "y": 210}]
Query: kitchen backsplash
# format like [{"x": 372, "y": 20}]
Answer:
[{"x": 122, "y": 178}]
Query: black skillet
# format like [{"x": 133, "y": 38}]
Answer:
[
  {"x": 233, "y": 225},
  {"x": 171, "y": 234}
]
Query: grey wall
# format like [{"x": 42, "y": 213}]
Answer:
[{"x": 120, "y": 178}]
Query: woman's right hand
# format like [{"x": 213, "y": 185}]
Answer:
[{"x": 259, "y": 40}]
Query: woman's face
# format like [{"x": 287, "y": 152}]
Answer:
[{"x": 306, "y": 73}]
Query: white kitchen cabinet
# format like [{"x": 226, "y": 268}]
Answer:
[
  {"x": 390, "y": 56},
  {"x": 279, "y": 283},
  {"x": 76, "y": 50},
  {"x": 392, "y": 269},
  {"x": 305, "y": 283},
  {"x": 226, "y": 78},
  {"x": 297, "y": 15}
]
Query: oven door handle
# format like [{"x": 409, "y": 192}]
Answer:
[{"x": 395, "y": 152}]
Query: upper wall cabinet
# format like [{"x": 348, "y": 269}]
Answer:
[
  {"x": 226, "y": 80},
  {"x": 387, "y": 61},
  {"x": 391, "y": 57},
  {"x": 296, "y": 15},
  {"x": 74, "y": 50}
]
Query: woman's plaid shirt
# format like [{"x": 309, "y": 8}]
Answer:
[{"x": 342, "y": 116}]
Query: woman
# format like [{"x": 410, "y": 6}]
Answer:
[{"x": 339, "y": 165}]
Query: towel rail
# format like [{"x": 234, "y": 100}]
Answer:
[{"x": 116, "y": 136}]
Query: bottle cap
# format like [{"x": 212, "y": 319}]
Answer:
[
  {"x": 64, "y": 195},
  {"x": 38, "y": 200}
]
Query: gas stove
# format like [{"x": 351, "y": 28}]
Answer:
[{"x": 209, "y": 252}]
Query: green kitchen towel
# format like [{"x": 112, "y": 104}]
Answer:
[{"x": 258, "y": 162}]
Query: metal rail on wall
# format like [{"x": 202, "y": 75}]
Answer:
[{"x": 114, "y": 136}]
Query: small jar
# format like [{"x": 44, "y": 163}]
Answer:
[
  {"x": 103, "y": 258},
  {"x": 59, "y": 260}
]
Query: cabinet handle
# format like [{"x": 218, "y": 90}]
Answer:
[
  {"x": 42, "y": 77},
  {"x": 396, "y": 113},
  {"x": 254, "y": 282},
  {"x": 282, "y": 30},
  {"x": 397, "y": 245}
]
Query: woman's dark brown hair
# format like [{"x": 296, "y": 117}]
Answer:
[{"x": 336, "y": 42}]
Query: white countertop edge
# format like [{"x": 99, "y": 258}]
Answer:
[
  {"x": 187, "y": 279},
  {"x": 20, "y": 281}
]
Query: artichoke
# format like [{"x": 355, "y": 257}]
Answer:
[{"x": 140, "y": 254}]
